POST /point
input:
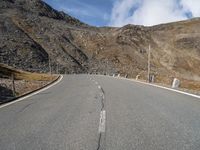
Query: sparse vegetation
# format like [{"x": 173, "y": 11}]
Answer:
[
  {"x": 34, "y": 34},
  {"x": 24, "y": 82}
]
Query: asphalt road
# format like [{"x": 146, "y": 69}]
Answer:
[{"x": 97, "y": 112}]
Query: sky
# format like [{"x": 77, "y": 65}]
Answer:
[{"x": 118, "y": 13}]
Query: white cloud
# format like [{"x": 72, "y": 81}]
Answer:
[
  {"x": 152, "y": 12},
  {"x": 120, "y": 11},
  {"x": 192, "y": 6}
]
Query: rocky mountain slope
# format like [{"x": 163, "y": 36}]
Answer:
[{"x": 34, "y": 35}]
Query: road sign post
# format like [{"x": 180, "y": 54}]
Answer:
[{"x": 149, "y": 64}]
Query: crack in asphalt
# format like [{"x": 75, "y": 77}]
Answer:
[
  {"x": 25, "y": 107},
  {"x": 101, "y": 139},
  {"x": 102, "y": 99},
  {"x": 99, "y": 142},
  {"x": 101, "y": 135}
]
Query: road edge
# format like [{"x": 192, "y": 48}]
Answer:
[
  {"x": 158, "y": 86},
  {"x": 32, "y": 93},
  {"x": 166, "y": 88}
]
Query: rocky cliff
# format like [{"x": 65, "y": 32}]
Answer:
[{"x": 34, "y": 36}]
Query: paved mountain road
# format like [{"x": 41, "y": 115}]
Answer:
[{"x": 133, "y": 116}]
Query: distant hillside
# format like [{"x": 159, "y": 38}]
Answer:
[{"x": 34, "y": 34}]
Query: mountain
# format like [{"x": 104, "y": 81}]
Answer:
[{"x": 34, "y": 36}]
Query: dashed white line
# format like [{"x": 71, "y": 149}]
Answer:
[
  {"x": 102, "y": 122},
  {"x": 99, "y": 86},
  {"x": 102, "y": 95}
]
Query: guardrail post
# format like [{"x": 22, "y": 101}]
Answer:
[{"x": 13, "y": 84}]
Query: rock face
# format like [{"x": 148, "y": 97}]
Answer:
[{"x": 34, "y": 35}]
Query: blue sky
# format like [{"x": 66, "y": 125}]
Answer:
[
  {"x": 122, "y": 12},
  {"x": 93, "y": 12}
]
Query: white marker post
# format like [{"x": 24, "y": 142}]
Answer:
[
  {"x": 175, "y": 83},
  {"x": 149, "y": 63}
]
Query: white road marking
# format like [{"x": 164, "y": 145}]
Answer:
[
  {"x": 99, "y": 86},
  {"x": 166, "y": 88},
  {"x": 25, "y": 97},
  {"x": 103, "y": 97},
  {"x": 102, "y": 122},
  {"x": 162, "y": 87}
]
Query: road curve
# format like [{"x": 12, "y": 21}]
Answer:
[{"x": 85, "y": 112}]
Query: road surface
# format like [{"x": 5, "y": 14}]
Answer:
[{"x": 85, "y": 112}]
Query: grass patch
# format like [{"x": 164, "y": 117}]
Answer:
[{"x": 7, "y": 71}]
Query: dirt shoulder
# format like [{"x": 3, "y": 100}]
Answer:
[{"x": 24, "y": 82}]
